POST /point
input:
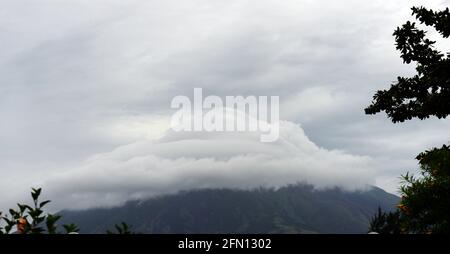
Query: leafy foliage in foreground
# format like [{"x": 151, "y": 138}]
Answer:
[
  {"x": 428, "y": 92},
  {"x": 386, "y": 223},
  {"x": 32, "y": 219},
  {"x": 121, "y": 229},
  {"x": 425, "y": 204},
  {"x": 26, "y": 219}
]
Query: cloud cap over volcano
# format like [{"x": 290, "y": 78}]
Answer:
[{"x": 191, "y": 160}]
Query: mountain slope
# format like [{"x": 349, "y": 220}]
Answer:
[{"x": 291, "y": 209}]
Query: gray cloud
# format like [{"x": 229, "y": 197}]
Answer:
[
  {"x": 79, "y": 78},
  {"x": 188, "y": 160}
]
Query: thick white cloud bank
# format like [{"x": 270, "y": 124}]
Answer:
[
  {"x": 84, "y": 77},
  {"x": 192, "y": 160}
]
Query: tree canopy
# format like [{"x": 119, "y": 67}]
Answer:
[
  {"x": 425, "y": 203},
  {"x": 428, "y": 92}
]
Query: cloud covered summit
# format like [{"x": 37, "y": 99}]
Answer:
[{"x": 194, "y": 160}]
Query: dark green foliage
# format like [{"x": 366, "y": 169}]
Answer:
[
  {"x": 122, "y": 229},
  {"x": 426, "y": 200},
  {"x": 425, "y": 204},
  {"x": 32, "y": 219},
  {"x": 70, "y": 228},
  {"x": 386, "y": 223},
  {"x": 428, "y": 92},
  {"x": 292, "y": 209}
]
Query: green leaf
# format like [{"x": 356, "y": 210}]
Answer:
[
  {"x": 71, "y": 228},
  {"x": 53, "y": 218},
  {"x": 8, "y": 221},
  {"x": 22, "y": 208},
  {"x": 35, "y": 213},
  {"x": 121, "y": 229},
  {"x": 35, "y": 193},
  {"x": 44, "y": 203},
  {"x": 13, "y": 213},
  {"x": 8, "y": 228}
]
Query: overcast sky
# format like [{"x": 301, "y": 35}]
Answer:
[{"x": 86, "y": 86}]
